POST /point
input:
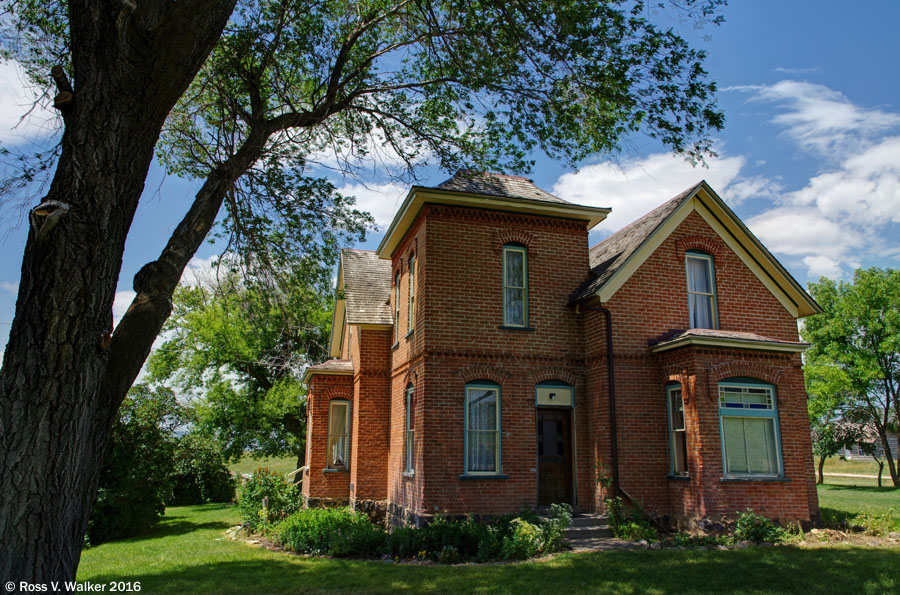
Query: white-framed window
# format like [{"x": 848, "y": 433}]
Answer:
[
  {"x": 410, "y": 430},
  {"x": 677, "y": 431},
  {"x": 701, "y": 289},
  {"x": 412, "y": 292},
  {"x": 397, "y": 307},
  {"x": 482, "y": 440},
  {"x": 338, "y": 447},
  {"x": 749, "y": 424},
  {"x": 515, "y": 285}
]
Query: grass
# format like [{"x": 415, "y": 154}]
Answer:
[
  {"x": 839, "y": 502},
  {"x": 188, "y": 553},
  {"x": 837, "y": 465},
  {"x": 250, "y": 464}
]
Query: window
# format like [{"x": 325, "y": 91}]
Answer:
[
  {"x": 677, "y": 431},
  {"x": 482, "y": 456},
  {"x": 412, "y": 292},
  {"x": 397, "y": 308},
  {"x": 338, "y": 435},
  {"x": 701, "y": 287},
  {"x": 410, "y": 431},
  {"x": 749, "y": 429},
  {"x": 515, "y": 285}
]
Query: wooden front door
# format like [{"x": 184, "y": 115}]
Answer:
[{"x": 554, "y": 437}]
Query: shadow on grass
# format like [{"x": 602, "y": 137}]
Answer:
[
  {"x": 861, "y": 488},
  {"x": 174, "y": 525},
  {"x": 782, "y": 569}
]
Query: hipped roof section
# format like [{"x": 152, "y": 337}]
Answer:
[
  {"x": 499, "y": 192},
  {"x": 616, "y": 258}
]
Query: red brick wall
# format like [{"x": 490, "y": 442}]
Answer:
[
  {"x": 319, "y": 484},
  {"x": 371, "y": 352}
]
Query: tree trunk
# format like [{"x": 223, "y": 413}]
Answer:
[
  {"x": 821, "y": 471},
  {"x": 888, "y": 457},
  {"x": 880, "y": 472},
  {"x": 129, "y": 67}
]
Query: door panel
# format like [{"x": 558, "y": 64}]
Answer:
[{"x": 554, "y": 456}]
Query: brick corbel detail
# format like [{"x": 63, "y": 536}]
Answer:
[
  {"x": 517, "y": 236},
  {"x": 483, "y": 372},
  {"x": 551, "y": 373}
]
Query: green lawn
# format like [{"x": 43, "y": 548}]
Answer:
[
  {"x": 836, "y": 465},
  {"x": 838, "y": 502},
  {"x": 188, "y": 553},
  {"x": 250, "y": 464}
]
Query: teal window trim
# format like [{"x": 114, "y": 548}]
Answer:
[
  {"x": 397, "y": 308},
  {"x": 524, "y": 288},
  {"x": 498, "y": 462},
  {"x": 711, "y": 269},
  {"x": 329, "y": 465},
  {"x": 769, "y": 413},
  {"x": 410, "y": 439},
  {"x": 412, "y": 293},
  {"x": 674, "y": 472}
]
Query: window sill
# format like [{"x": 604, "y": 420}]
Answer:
[
  {"x": 732, "y": 479},
  {"x": 465, "y": 477},
  {"x": 335, "y": 471},
  {"x": 395, "y": 345},
  {"x": 408, "y": 474},
  {"x": 407, "y": 335},
  {"x": 503, "y": 327},
  {"x": 678, "y": 477}
]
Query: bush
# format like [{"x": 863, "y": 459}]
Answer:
[
  {"x": 757, "y": 528},
  {"x": 524, "y": 541},
  {"x": 200, "y": 475},
  {"x": 339, "y": 532},
  {"x": 283, "y": 499},
  {"x": 633, "y": 526},
  {"x": 134, "y": 476}
]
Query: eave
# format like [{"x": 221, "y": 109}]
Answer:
[{"x": 728, "y": 343}]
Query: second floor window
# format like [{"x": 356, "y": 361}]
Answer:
[
  {"x": 396, "y": 308},
  {"x": 701, "y": 288},
  {"x": 515, "y": 285},
  {"x": 412, "y": 293}
]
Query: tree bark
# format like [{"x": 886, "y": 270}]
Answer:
[
  {"x": 130, "y": 66},
  {"x": 821, "y": 471}
]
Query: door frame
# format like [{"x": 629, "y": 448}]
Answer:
[{"x": 572, "y": 435}]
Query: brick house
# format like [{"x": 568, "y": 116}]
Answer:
[{"x": 486, "y": 359}]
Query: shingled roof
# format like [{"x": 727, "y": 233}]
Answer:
[
  {"x": 613, "y": 252},
  {"x": 367, "y": 287},
  {"x": 491, "y": 184}
]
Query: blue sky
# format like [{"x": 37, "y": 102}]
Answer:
[{"x": 809, "y": 157}]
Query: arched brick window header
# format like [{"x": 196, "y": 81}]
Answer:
[
  {"x": 561, "y": 374},
  {"x": 336, "y": 392},
  {"x": 513, "y": 236},
  {"x": 709, "y": 244},
  {"x": 483, "y": 372},
  {"x": 757, "y": 371}
]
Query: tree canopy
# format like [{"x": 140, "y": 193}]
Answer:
[
  {"x": 853, "y": 364},
  {"x": 248, "y": 100}
]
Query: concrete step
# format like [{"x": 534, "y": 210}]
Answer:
[
  {"x": 580, "y": 533},
  {"x": 589, "y": 520}
]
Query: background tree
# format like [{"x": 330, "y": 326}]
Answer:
[
  {"x": 236, "y": 347},
  {"x": 857, "y": 340},
  {"x": 453, "y": 82},
  {"x": 831, "y": 407}
]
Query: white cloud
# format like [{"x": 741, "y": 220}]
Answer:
[
  {"x": 821, "y": 119},
  {"x": 380, "y": 200},
  {"x": 638, "y": 188},
  {"x": 803, "y": 231},
  {"x": 16, "y": 98},
  {"x": 810, "y": 70},
  {"x": 12, "y": 288},
  {"x": 822, "y": 266},
  {"x": 120, "y": 305}
]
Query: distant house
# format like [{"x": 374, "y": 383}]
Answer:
[
  {"x": 858, "y": 451},
  {"x": 487, "y": 359}
]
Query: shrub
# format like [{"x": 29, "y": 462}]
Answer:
[
  {"x": 283, "y": 499},
  {"x": 757, "y": 528},
  {"x": 200, "y": 475},
  {"x": 134, "y": 476},
  {"x": 633, "y": 526},
  {"x": 339, "y": 532},
  {"x": 524, "y": 541},
  {"x": 553, "y": 528}
]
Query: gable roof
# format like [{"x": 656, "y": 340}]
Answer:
[
  {"x": 365, "y": 281},
  {"x": 483, "y": 190},
  {"x": 492, "y": 184},
  {"x": 617, "y": 257}
]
